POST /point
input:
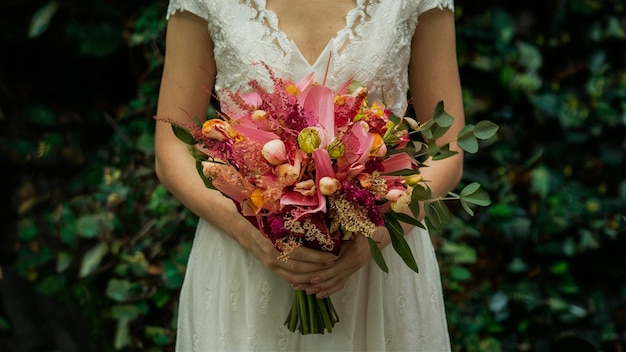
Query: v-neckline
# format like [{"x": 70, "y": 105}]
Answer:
[{"x": 294, "y": 45}]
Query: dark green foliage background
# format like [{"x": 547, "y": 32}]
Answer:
[{"x": 93, "y": 229}]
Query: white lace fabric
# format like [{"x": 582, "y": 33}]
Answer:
[{"x": 229, "y": 301}]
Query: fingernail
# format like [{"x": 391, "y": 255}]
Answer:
[
  {"x": 310, "y": 291},
  {"x": 316, "y": 280}
]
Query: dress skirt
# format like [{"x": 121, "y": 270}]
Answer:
[{"x": 230, "y": 302}]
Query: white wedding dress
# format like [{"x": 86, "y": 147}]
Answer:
[{"x": 229, "y": 301}]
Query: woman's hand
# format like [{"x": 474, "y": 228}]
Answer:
[
  {"x": 354, "y": 254},
  {"x": 301, "y": 267}
]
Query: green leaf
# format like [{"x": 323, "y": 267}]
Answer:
[
  {"x": 399, "y": 242},
  {"x": 485, "y": 129},
  {"x": 460, "y": 253},
  {"x": 541, "y": 181},
  {"x": 444, "y": 152},
  {"x": 122, "y": 334},
  {"x": 441, "y": 117},
  {"x": 418, "y": 194},
  {"x": 437, "y": 214},
  {"x": 183, "y": 135},
  {"x": 377, "y": 255},
  {"x": 63, "y": 261},
  {"x": 459, "y": 273},
  {"x": 89, "y": 225},
  {"x": 41, "y": 19},
  {"x": 119, "y": 290},
  {"x": 407, "y": 219},
  {"x": 473, "y": 194},
  {"x": 560, "y": 268},
  {"x": 439, "y": 131},
  {"x": 40, "y": 115},
  {"x": 468, "y": 143},
  {"x": 92, "y": 259}
]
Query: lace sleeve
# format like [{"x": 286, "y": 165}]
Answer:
[
  {"x": 426, "y": 5},
  {"x": 197, "y": 7}
]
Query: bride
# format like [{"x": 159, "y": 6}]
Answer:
[{"x": 236, "y": 292}]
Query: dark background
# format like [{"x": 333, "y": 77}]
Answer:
[{"x": 93, "y": 249}]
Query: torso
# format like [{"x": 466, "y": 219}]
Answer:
[{"x": 311, "y": 24}]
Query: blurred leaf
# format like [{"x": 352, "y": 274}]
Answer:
[
  {"x": 91, "y": 225},
  {"x": 560, "y": 268},
  {"x": 119, "y": 290},
  {"x": 40, "y": 115},
  {"x": 97, "y": 39},
  {"x": 541, "y": 181},
  {"x": 41, "y": 19},
  {"x": 460, "y": 273},
  {"x": 517, "y": 265},
  {"x": 460, "y": 253},
  {"x": 122, "y": 334},
  {"x": 530, "y": 56},
  {"x": 93, "y": 257},
  {"x": 64, "y": 260}
]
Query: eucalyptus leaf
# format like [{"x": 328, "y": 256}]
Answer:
[
  {"x": 473, "y": 194},
  {"x": 441, "y": 117},
  {"x": 468, "y": 143},
  {"x": 444, "y": 152},
  {"x": 485, "y": 129}
]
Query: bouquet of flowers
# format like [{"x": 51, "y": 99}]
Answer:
[{"x": 314, "y": 167}]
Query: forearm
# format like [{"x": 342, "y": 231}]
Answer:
[{"x": 175, "y": 168}]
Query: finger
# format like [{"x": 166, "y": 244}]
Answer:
[{"x": 312, "y": 255}]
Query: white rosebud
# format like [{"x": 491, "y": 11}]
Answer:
[
  {"x": 414, "y": 125},
  {"x": 394, "y": 194},
  {"x": 329, "y": 185},
  {"x": 274, "y": 152}
]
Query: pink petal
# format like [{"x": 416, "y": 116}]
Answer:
[
  {"x": 323, "y": 167},
  {"x": 255, "y": 134},
  {"x": 318, "y": 101},
  {"x": 398, "y": 162},
  {"x": 358, "y": 144},
  {"x": 297, "y": 199},
  {"x": 305, "y": 81},
  {"x": 252, "y": 98}
]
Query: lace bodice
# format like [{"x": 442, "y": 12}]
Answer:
[{"x": 373, "y": 48}]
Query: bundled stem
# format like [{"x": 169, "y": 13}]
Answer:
[{"x": 311, "y": 315}]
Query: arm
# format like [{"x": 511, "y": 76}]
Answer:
[
  {"x": 433, "y": 76},
  {"x": 189, "y": 68}
]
